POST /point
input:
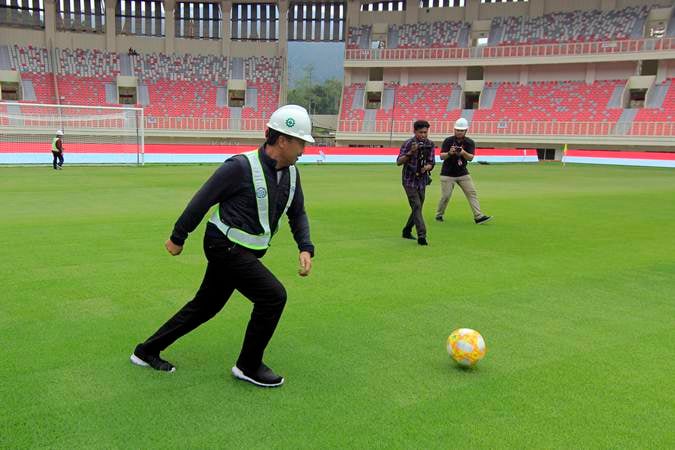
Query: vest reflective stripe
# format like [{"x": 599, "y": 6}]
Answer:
[
  {"x": 54, "y": 147},
  {"x": 241, "y": 237}
]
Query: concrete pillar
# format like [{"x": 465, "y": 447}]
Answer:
[
  {"x": 50, "y": 23},
  {"x": 282, "y": 50},
  {"x": 352, "y": 16},
  {"x": 471, "y": 10},
  {"x": 590, "y": 73},
  {"x": 461, "y": 76},
  {"x": 662, "y": 71},
  {"x": 537, "y": 8},
  {"x": 412, "y": 13},
  {"x": 169, "y": 26},
  {"x": 226, "y": 27},
  {"x": 524, "y": 75},
  {"x": 110, "y": 21}
]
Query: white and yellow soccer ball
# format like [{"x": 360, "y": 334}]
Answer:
[{"x": 466, "y": 346}]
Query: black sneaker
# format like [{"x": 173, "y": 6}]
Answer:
[
  {"x": 407, "y": 235},
  {"x": 439, "y": 218},
  {"x": 140, "y": 358},
  {"x": 422, "y": 241},
  {"x": 263, "y": 376},
  {"x": 482, "y": 220}
]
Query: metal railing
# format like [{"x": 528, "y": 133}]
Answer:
[
  {"x": 514, "y": 51},
  {"x": 102, "y": 122},
  {"x": 515, "y": 128},
  {"x": 204, "y": 124}
]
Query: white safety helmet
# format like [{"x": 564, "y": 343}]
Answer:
[
  {"x": 461, "y": 124},
  {"x": 59, "y": 132},
  {"x": 292, "y": 120}
]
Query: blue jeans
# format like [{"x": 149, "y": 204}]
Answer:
[{"x": 57, "y": 156}]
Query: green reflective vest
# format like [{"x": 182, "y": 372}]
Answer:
[{"x": 241, "y": 237}]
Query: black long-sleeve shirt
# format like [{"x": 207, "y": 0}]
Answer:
[{"x": 231, "y": 185}]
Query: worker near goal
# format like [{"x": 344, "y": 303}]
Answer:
[
  {"x": 57, "y": 150},
  {"x": 252, "y": 191},
  {"x": 457, "y": 150}
]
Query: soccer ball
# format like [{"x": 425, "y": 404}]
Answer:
[{"x": 466, "y": 346}]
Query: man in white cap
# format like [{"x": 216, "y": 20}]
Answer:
[
  {"x": 57, "y": 150},
  {"x": 252, "y": 191},
  {"x": 457, "y": 150}
]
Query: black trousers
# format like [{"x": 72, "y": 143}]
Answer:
[
  {"x": 416, "y": 201},
  {"x": 229, "y": 267},
  {"x": 57, "y": 156}
]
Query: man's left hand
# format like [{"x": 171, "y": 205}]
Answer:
[
  {"x": 305, "y": 264},
  {"x": 427, "y": 168}
]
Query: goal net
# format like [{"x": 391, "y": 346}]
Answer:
[{"x": 92, "y": 134}]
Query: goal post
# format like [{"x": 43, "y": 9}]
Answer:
[{"x": 92, "y": 134}]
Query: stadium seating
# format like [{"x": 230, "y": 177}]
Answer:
[
  {"x": 267, "y": 102},
  {"x": 429, "y": 35},
  {"x": 411, "y": 102},
  {"x": 179, "y": 86},
  {"x": 88, "y": 91},
  {"x": 568, "y": 101},
  {"x": 43, "y": 84},
  {"x": 171, "y": 98},
  {"x": 29, "y": 59},
  {"x": 88, "y": 63},
  {"x": 664, "y": 114},
  {"x": 153, "y": 67},
  {"x": 262, "y": 69},
  {"x": 357, "y": 37},
  {"x": 575, "y": 26}
]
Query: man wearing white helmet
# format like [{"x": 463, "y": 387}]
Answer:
[
  {"x": 252, "y": 191},
  {"x": 57, "y": 150},
  {"x": 456, "y": 152}
]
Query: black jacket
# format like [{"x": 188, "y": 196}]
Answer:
[{"x": 231, "y": 185}]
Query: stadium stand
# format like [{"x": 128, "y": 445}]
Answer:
[
  {"x": 88, "y": 63},
  {"x": 88, "y": 91},
  {"x": 665, "y": 113},
  {"x": 352, "y": 102},
  {"x": 180, "y": 98},
  {"x": 575, "y": 26},
  {"x": 177, "y": 85},
  {"x": 414, "y": 101},
  {"x": 429, "y": 35},
  {"x": 41, "y": 86},
  {"x": 159, "y": 66},
  {"x": 561, "y": 101},
  {"x": 30, "y": 59},
  {"x": 358, "y": 37}
]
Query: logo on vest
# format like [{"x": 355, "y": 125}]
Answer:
[{"x": 261, "y": 192}]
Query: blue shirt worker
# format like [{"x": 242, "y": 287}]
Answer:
[
  {"x": 252, "y": 191},
  {"x": 418, "y": 160}
]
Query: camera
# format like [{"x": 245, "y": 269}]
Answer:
[{"x": 423, "y": 145}]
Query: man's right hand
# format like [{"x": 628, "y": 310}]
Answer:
[{"x": 173, "y": 248}]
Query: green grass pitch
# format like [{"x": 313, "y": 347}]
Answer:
[{"x": 572, "y": 285}]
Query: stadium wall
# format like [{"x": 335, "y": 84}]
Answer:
[{"x": 190, "y": 153}]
